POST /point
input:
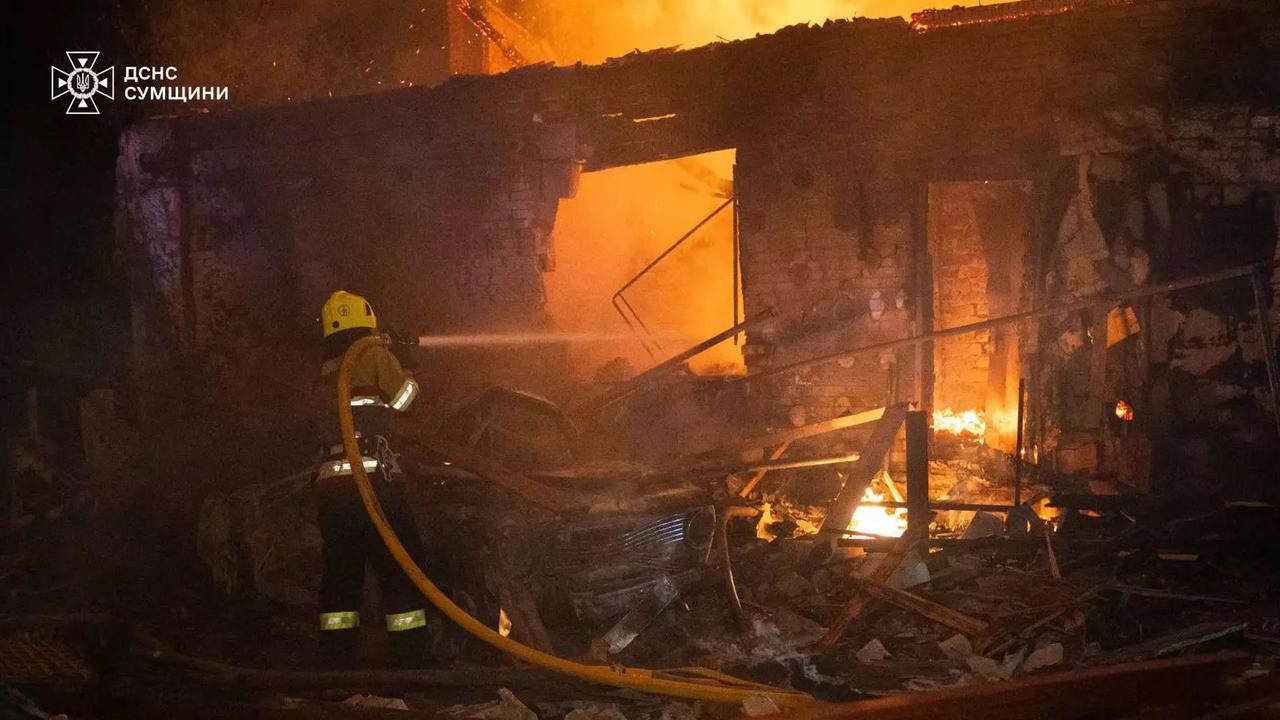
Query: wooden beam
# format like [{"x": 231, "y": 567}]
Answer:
[
  {"x": 782, "y": 437},
  {"x": 918, "y": 515},
  {"x": 941, "y": 614},
  {"x": 870, "y": 462},
  {"x": 758, "y": 475},
  {"x": 517, "y": 600}
]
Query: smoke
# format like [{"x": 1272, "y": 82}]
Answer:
[
  {"x": 278, "y": 51},
  {"x": 619, "y": 221}
]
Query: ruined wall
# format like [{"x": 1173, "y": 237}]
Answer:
[
  {"x": 236, "y": 237},
  {"x": 1153, "y": 100},
  {"x": 832, "y": 257}
]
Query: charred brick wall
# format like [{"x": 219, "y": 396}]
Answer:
[
  {"x": 831, "y": 256},
  {"x": 236, "y": 236}
]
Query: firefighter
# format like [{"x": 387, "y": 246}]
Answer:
[{"x": 379, "y": 389}]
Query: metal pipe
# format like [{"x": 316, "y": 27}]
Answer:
[
  {"x": 1102, "y": 301},
  {"x": 617, "y": 296},
  {"x": 619, "y": 303}
]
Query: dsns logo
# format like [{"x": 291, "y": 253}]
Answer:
[{"x": 82, "y": 83}]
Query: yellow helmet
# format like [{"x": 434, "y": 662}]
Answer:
[{"x": 344, "y": 310}]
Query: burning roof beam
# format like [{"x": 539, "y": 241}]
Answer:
[{"x": 927, "y": 20}]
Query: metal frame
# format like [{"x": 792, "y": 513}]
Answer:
[{"x": 628, "y": 312}]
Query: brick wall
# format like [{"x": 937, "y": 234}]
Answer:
[
  {"x": 234, "y": 243},
  {"x": 820, "y": 248}
]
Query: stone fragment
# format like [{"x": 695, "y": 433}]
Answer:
[
  {"x": 595, "y": 711},
  {"x": 506, "y": 707},
  {"x": 956, "y": 647},
  {"x": 1044, "y": 657},
  {"x": 756, "y": 705},
  {"x": 986, "y": 667},
  {"x": 873, "y": 651},
  {"x": 376, "y": 701}
]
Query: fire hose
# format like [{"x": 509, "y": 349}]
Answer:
[{"x": 689, "y": 683}]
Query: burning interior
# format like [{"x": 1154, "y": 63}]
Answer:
[{"x": 850, "y": 360}]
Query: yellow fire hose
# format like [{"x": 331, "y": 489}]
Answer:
[{"x": 689, "y": 683}]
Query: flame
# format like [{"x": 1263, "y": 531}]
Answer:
[
  {"x": 967, "y": 424},
  {"x": 890, "y": 522},
  {"x": 592, "y": 31}
]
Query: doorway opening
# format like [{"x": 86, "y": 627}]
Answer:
[{"x": 605, "y": 238}]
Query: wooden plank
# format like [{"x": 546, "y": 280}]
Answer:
[
  {"x": 941, "y": 614},
  {"x": 1070, "y": 695},
  {"x": 517, "y": 600},
  {"x": 758, "y": 475},
  {"x": 783, "y": 437}
]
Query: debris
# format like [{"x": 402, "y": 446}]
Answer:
[
  {"x": 956, "y": 647},
  {"x": 1154, "y": 593},
  {"x": 681, "y": 711},
  {"x": 986, "y": 667},
  {"x": 873, "y": 651},
  {"x": 983, "y": 524},
  {"x": 756, "y": 705},
  {"x": 1044, "y": 657},
  {"x": 936, "y": 612},
  {"x": 376, "y": 701},
  {"x": 1179, "y": 639},
  {"x": 646, "y": 610},
  {"x": 792, "y": 585},
  {"x": 1113, "y": 691},
  {"x": 506, "y": 707},
  {"x": 1054, "y": 571},
  {"x": 883, "y": 571},
  {"x": 1013, "y": 661},
  {"x": 595, "y": 711},
  {"x": 910, "y": 573}
]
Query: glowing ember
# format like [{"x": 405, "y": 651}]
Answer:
[
  {"x": 890, "y": 522},
  {"x": 1124, "y": 411},
  {"x": 968, "y": 424}
]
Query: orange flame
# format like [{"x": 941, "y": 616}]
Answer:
[
  {"x": 967, "y": 424},
  {"x": 890, "y": 522}
]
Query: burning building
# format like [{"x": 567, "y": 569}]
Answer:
[
  {"x": 944, "y": 333},
  {"x": 977, "y": 165}
]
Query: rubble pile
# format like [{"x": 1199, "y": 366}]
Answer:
[{"x": 719, "y": 558}]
